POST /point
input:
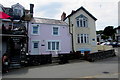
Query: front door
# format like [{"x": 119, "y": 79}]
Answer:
[{"x": 35, "y": 47}]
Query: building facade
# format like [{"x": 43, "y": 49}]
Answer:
[
  {"x": 83, "y": 30},
  {"x": 14, "y": 34},
  {"x": 48, "y": 36},
  {"x": 117, "y": 35}
]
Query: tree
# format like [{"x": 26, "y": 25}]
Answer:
[
  {"x": 104, "y": 37},
  {"x": 99, "y": 32},
  {"x": 109, "y": 31}
]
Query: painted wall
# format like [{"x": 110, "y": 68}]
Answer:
[
  {"x": 91, "y": 30},
  {"x": 45, "y": 34}
]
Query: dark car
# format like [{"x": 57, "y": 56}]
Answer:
[
  {"x": 114, "y": 44},
  {"x": 118, "y": 44}
]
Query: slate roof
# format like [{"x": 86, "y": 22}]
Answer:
[
  {"x": 81, "y": 8},
  {"x": 48, "y": 21}
]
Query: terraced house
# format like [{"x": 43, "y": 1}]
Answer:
[
  {"x": 48, "y": 36},
  {"x": 83, "y": 30}
]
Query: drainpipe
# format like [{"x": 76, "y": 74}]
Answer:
[
  {"x": 71, "y": 34},
  {"x": 12, "y": 25},
  {"x": 27, "y": 36}
]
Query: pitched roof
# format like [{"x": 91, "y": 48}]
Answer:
[
  {"x": 81, "y": 8},
  {"x": 48, "y": 21}
]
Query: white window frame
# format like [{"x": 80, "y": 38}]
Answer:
[
  {"x": 84, "y": 36},
  {"x": 83, "y": 19},
  {"x": 58, "y": 30},
  {"x": 37, "y": 25},
  {"x": 51, "y": 45}
]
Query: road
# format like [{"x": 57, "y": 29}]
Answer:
[{"x": 106, "y": 68}]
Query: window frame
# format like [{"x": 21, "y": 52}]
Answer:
[
  {"x": 83, "y": 38},
  {"x": 57, "y": 32},
  {"x": 82, "y": 21},
  {"x": 51, "y": 46},
  {"x": 38, "y": 29}
]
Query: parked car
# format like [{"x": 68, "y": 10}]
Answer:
[
  {"x": 118, "y": 44},
  {"x": 102, "y": 43},
  {"x": 113, "y": 44},
  {"x": 106, "y": 43}
]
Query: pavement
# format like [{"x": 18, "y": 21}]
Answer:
[{"x": 106, "y": 68}]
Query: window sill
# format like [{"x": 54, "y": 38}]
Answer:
[
  {"x": 53, "y": 50},
  {"x": 35, "y": 34},
  {"x": 83, "y": 43},
  {"x": 82, "y": 27},
  {"x": 55, "y": 35}
]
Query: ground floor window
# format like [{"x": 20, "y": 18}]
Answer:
[
  {"x": 53, "y": 45},
  {"x": 82, "y": 38}
]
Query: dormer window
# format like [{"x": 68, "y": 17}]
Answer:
[
  {"x": 17, "y": 12},
  {"x": 82, "y": 21}
]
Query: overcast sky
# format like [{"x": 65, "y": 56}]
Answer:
[{"x": 106, "y": 11}]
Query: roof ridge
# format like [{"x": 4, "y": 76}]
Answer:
[
  {"x": 83, "y": 10},
  {"x": 46, "y": 18},
  {"x": 48, "y": 21}
]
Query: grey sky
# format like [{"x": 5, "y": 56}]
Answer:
[{"x": 106, "y": 11}]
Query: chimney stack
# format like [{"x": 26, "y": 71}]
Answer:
[
  {"x": 63, "y": 16},
  {"x": 31, "y": 9},
  {"x": 72, "y": 11}
]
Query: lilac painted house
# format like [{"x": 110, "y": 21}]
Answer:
[{"x": 48, "y": 36}]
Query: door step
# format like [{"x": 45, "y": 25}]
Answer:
[{"x": 14, "y": 66}]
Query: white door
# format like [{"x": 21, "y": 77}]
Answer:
[{"x": 35, "y": 47}]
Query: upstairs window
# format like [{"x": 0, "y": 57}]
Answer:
[
  {"x": 17, "y": 12},
  {"x": 55, "y": 31},
  {"x": 35, "y": 29},
  {"x": 82, "y": 21}
]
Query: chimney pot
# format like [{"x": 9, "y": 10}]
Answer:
[{"x": 63, "y": 16}]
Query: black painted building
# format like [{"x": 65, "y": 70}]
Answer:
[{"x": 14, "y": 33}]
